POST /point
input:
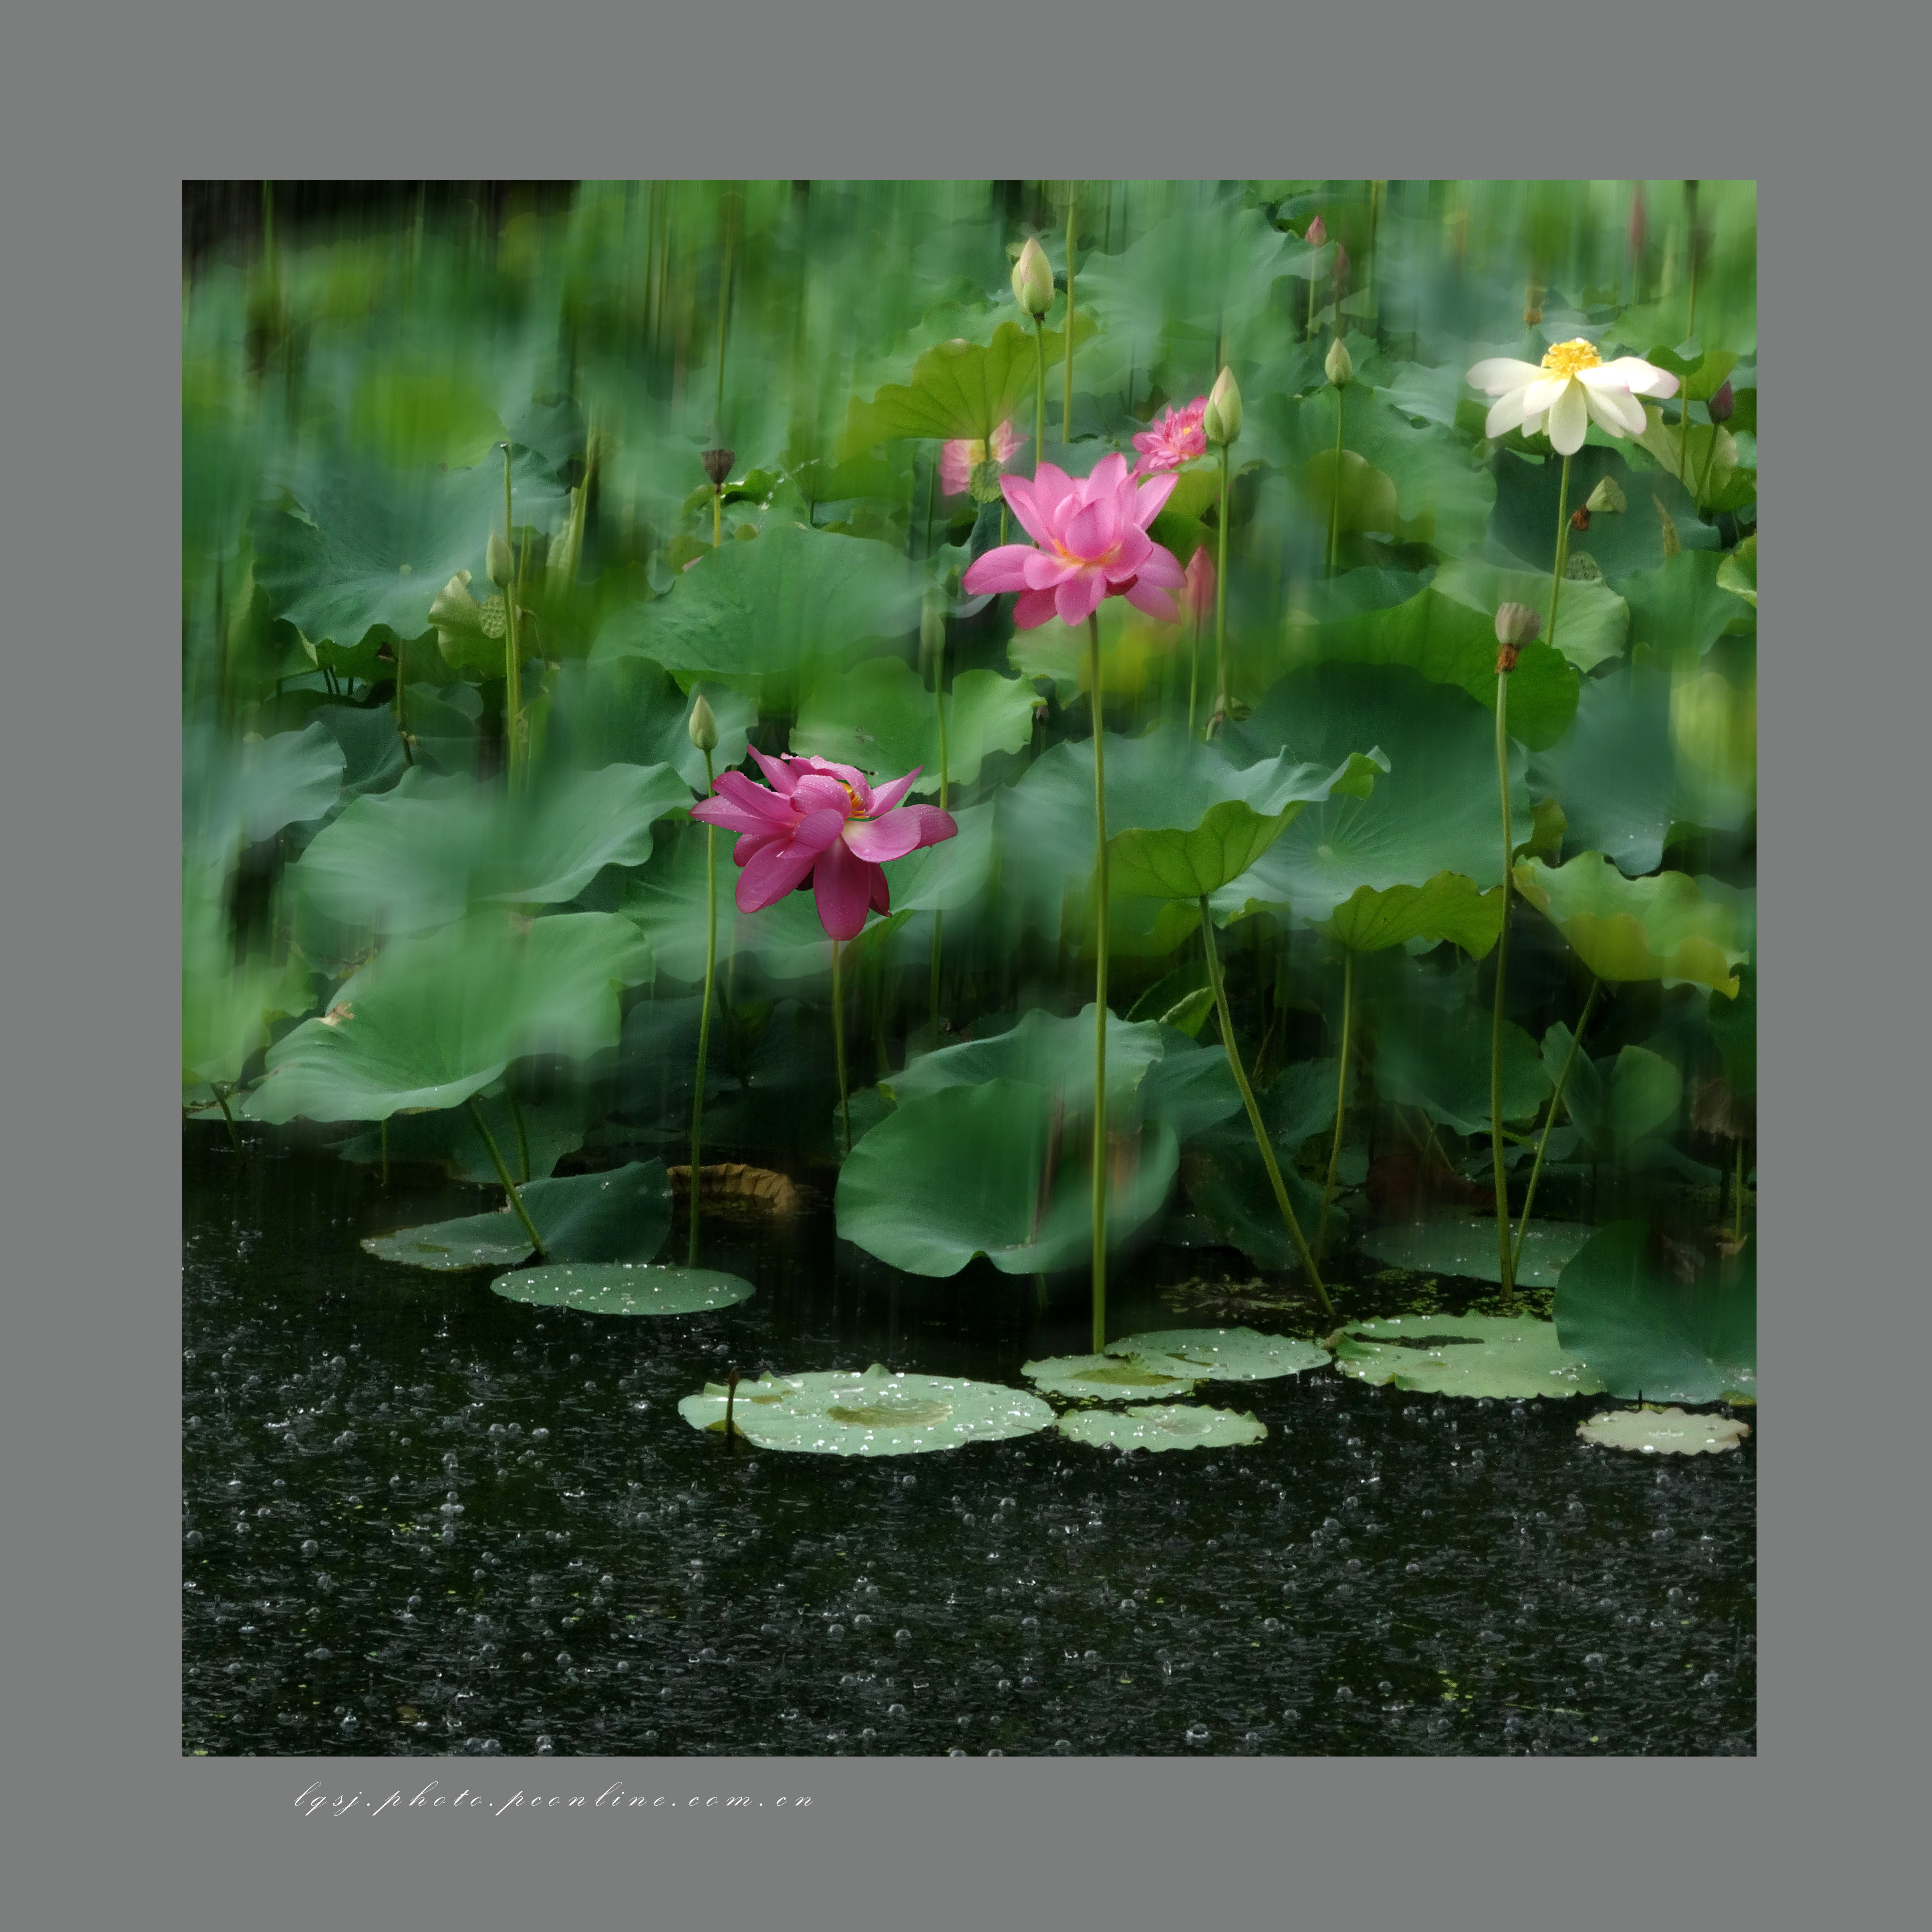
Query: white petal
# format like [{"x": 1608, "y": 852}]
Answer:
[
  {"x": 1500, "y": 373},
  {"x": 1569, "y": 420},
  {"x": 1532, "y": 425},
  {"x": 1505, "y": 415},
  {"x": 1544, "y": 391},
  {"x": 1641, "y": 378},
  {"x": 1593, "y": 401},
  {"x": 1615, "y": 408}
]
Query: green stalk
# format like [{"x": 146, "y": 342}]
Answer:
[
  {"x": 1335, "y": 490},
  {"x": 523, "y": 1136},
  {"x": 1099, "y": 987},
  {"x": 1556, "y": 574},
  {"x": 704, "y": 1013},
  {"x": 1555, "y": 1107},
  {"x": 945, "y": 789},
  {"x": 235, "y": 1139},
  {"x": 1311, "y": 308},
  {"x": 1506, "y": 1254},
  {"x": 513, "y": 667},
  {"x": 1220, "y": 590},
  {"x": 838, "y": 1044},
  {"x": 1066, "y": 393},
  {"x": 1341, "y": 1100},
  {"x": 402, "y": 715},
  {"x": 1261, "y": 1141},
  {"x": 1193, "y": 673},
  {"x": 385, "y": 1126},
  {"x": 503, "y": 1175},
  {"x": 1738, "y": 1195},
  {"x": 717, "y": 514},
  {"x": 1039, "y": 397}
]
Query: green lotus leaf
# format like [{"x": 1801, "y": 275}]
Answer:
[
  {"x": 989, "y": 1169},
  {"x": 839, "y": 1412},
  {"x": 619, "y": 1216},
  {"x": 1738, "y": 573},
  {"x": 1680, "y": 1326},
  {"x": 227, "y": 1007},
  {"x": 436, "y": 1017},
  {"x": 1115, "y": 1376},
  {"x": 1442, "y": 1066},
  {"x": 1665, "y": 927},
  {"x": 544, "y": 1130},
  {"x": 1227, "y": 1184},
  {"x": 1508, "y": 1358},
  {"x": 1453, "y": 1244},
  {"x": 1706, "y": 460},
  {"x": 1734, "y": 1028},
  {"x": 412, "y": 412},
  {"x": 1163, "y": 1425},
  {"x": 880, "y": 717},
  {"x": 424, "y": 854},
  {"x": 236, "y": 796},
  {"x": 630, "y": 711},
  {"x": 1447, "y": 643},
  {"x": 367, "y": 548},
  {"x": 1593, "y": 621},
  {"x": 958, "y": 389},
  {"x": 1614, "y": 1102},
  {"x": 1681, "y": 607},
  {"x": 1621, "y": 778},
  {"x": 1621, "y": 541},
  {"x": 1373, "y": 866},
  {"x": 1651, "y": 1431},
  {"x": 442, "y": 728},
  {"x": 763, "y": 613},
  {"x": 1182, "y": 1000},
  {"x": 455, "y": 1247},
  {"x": 625, "y": 1288},
  {"x": 1225, "y": 1355}
]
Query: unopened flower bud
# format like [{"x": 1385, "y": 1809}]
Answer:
[
  {"x": 1607, "y": 499},
  {"x": 1723, "y": 404},
  {"x": 1338, "y": 271},
  {"x": 1316, "y": 233},
  {"x": 1033, "y": 279},
  {"x": 1221, "y": 419},
  {"x": 1517, "y": 625},
  {"x": 717, "y": 465},
  {"x": 501, "y": 565},
  {"x": 702, "y": 725},
  {"x": 1340, "y": 365}
]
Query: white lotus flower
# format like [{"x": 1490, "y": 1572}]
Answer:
[{"x": 1571, "y": 387}]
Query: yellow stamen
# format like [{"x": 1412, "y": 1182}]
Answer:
[{"x": 1568, "y": 359}]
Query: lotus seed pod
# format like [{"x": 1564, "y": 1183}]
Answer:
[
  {"x": 1340, "y": 364},
  {"x": 1606, "y": 499},
  {"x": 1221, "y": 419},
  {"x": 702, "y": 726},
  {"x": 717, "y": 465},
  {"x": 1723, "y": 404},
  {"x": 1033, "y": 279},
  {"x": 1316, "y": 233},
  {"x": 501, "y": 565},
  {"x": 1517, "y": 625}
]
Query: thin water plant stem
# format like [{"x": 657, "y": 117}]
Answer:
[
  {"x": 503, "y": 1175},
  {"x": 1341, "y": 1103},
  {"x": 1038, "y": 397},
  {"x": 717, "y": 514},
  {"x": 384, "y": 1125},
  {"x": 1194, "y": 672},
  {"x": 1066, "y": 391},
  {"x": 945, "y": 790},
  {"x": 1220, "y": 591},
  {"x": 704, "y": 1011},
  {"x": 1100, "y": 987},
  {"x": 235, "y": 1139},
  {"x": 839, "y": 1043},
  {"x": 1335, "y": 491},
  {"x": 1549, "y": 1121},
  {"x": 1738, "y": 1194},
  {"x": 513, "y": 666},
  {"x": 523, "y": 1136},
  {"x": 1561, "y": 564},
  {"x": 1505, "y": 1252},
  {"x": 1261, "y": 1141}
]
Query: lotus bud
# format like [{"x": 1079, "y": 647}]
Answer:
[
  {"x": 502, "y": 566},
  {"x": 717, "y": 465},
  {"x": 1032, "y": 280},
  {"x": 1606, "y": 499},
  {"x": 1222, "y": 418},
  {"x": 1516, "y": 625},
  {"x": 1316, "y": 233},
  {"x": 702, "y": 725},
  {"x": 1723, "y": 404},
  {"x": 1339, "y": 272},
  {"x": 1340, "y": 365}
]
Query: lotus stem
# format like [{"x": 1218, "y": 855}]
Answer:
[
  {"x": 838, "y": 1044},
  {"x": 513, "y": 665},
  {"x": 1335, "y": 490},
  {"x": 1506, "y": 1254},
  {"x": 717, "y": 514},
  {"x": 731, "y": 1369},
  {"x": 1738, "y": 1194},
  {"x": 1220, "y": 589},
  {"x": 1555, "y": 1108},
  {"x": 1341, "y": 1101},
  {"x": 1038, "y": 397},
  {"x": 235, "y": 1139},
  {"x": 503, "y": 1175},
  {"x": 1311, "y": 308},
  {"x": 704, "y": 1011},
  {"x": 1561, "y": 564},
  {"x": 1261, "y": 1140},
  {"x": 1067, "y": 392},
  {"x": 1193, "y": 673},
  {"x": 383, "y": 1125},
  {"x": 1099, "y": 979},
  {"x": 402, "y": 714}
]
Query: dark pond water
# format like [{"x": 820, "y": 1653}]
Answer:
[{"x": 421, "y": 1519}]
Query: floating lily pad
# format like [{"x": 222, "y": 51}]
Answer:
[
  {"x": 622, "y": 1216},
  {"x": 1450, "y": 1244},
  {"x": 1506, "y": 1356},
  {"x": 625, "y": 1288},
  {"x": 1663, "y": 1432},
  {"x": 839, "y": 1412},
  {"x": 1117, "y": 1376},
  {"x": 1225, "y": 1355},
  {"x": 455, "y": 1247},
  {"x": 1163, "y": 1425}
]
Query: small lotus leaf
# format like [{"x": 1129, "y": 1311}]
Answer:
[
  {"x": 1661, "y": 928},
  {"x": 840, "y": 1412},
  {"x": 1663, "y": 1432},
  {"x": 1511, "y": 1357},
  {"x": 622, "y": 1216},
  {"x": 1163, "y": 1425},
  {"x": 1119, "y": 1376},
  {"x": 453, "y": 1247},
  {"x": 1449, "y": 1244},
  {"x": 1225, "y": 1355},
  {"x": 958, "y": 389},
  {"x": 625, "y": 1288}
]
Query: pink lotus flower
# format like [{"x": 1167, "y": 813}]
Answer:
[
  {"x": 1176, "y": 439},
  {"x": 1200, "y": 577},
  {"x": 1093, "y": 544},
  {"x": 957, "y": 460},
  {"x": 821, "y": 821}
]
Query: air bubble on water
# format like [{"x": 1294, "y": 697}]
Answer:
[
  {"x": 1594, "y": 1661},
  {"x": 311, "y": 1548},
  {"x": 1197, "y": 1734},
  {"x": 896, "y": 1710}
]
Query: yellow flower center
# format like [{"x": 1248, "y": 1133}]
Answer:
[{"x": 1568, "y": 359}]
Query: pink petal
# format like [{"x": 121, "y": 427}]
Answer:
[
  {"x": 1144, "y": 596},
  {"x": 1007, "y": 440},
  {"x": 1109, "y": 473},
  {"x": 841, "y": 883},
  {"x": 776, "y": 771},
  {"x": 955, "y": 466},
  {"x": 1032, "y": 609},
  {"x": 1046, "y": 568},
  {"x": 1079, "y": 597},
  {"x": 1022, "y": 499},
  {"x": 1162, "y": 567},
  {"x": 935, "y": 826},
  {"x": 778, "y": 869},
  {"x": 748, "y": 847},
  {"x": 1150, "y": 499},
  {"x": 816, "y": 793},
  {"x": 1130, "y": 553},
  {"x": 882, "y": 893},
  {"x": 732, "y": 817},
  {"x": 876, "y": 840},
  {"x": 1093, "y": 529},
  {"x": 887, "y": 795},
  {"x": 1001, "y": 569}
]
